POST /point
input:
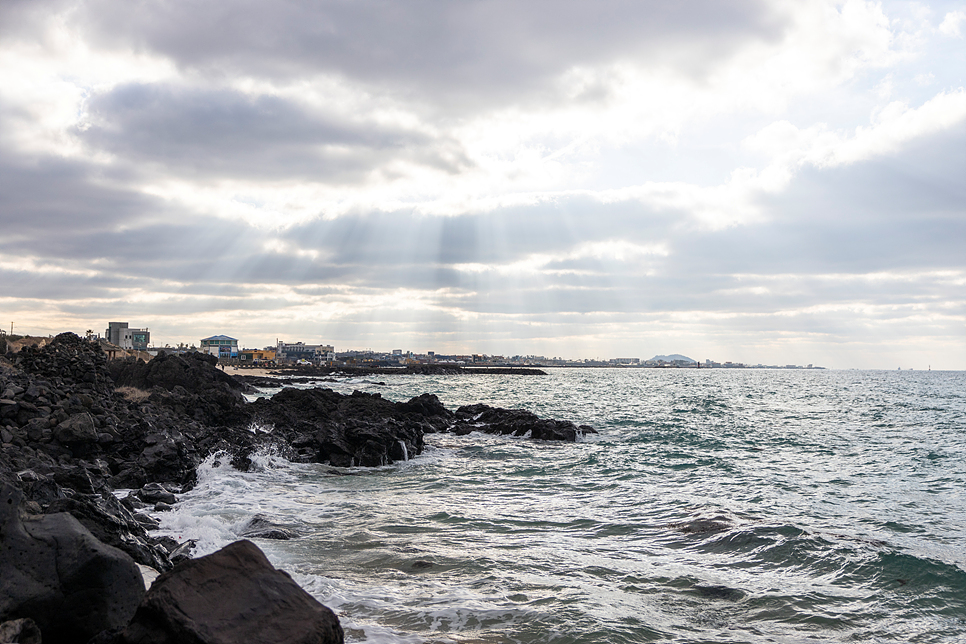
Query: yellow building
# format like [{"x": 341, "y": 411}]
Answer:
[{"x": 256, "y": 356}]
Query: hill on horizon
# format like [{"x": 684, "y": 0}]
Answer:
[{"x": 672, "y": 358}]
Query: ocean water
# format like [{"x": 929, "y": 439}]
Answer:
[{"x": 713, "y": 506}]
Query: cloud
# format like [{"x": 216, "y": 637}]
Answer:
[
  {"x": 545, "y": 177},
  {"x": 951, "y": 22},
  {"x": 461, "y": 53},
  {"x": 225, "y": 133},
  {"x": 893, "y": 126}
]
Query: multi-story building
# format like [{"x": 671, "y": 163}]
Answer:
[
  {"x": 220, "y": 346},
  {"x": 119, "y": 334},
  {"x": 296, "y": 351}
]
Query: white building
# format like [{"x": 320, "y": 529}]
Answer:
[
  {"x": 295, "y": 351},
  {"x": 119, "y": 334}
]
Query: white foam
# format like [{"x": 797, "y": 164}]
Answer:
[
  {"x": 256, "y": 427},
  {"x": 223, "y": 499}
]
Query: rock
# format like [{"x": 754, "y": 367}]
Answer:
[
  {"x": 20, "y": 631},
  {"x": 193, "y": 371},
  {"x": 325, "y": 426},
  {"x": 259, "y": 527},
  {"x": 132, "y": 502},
  {"x": 701, "y": 525},
  {"x": 182, "y": 552},
  {"x": 148, "y": 574},
  {"x": 233, "y": 595},
  {"x": 148, "y": 523},
  {"x": 719, "y": 592},
  {"x": 426, "y": 405},
  {"x": 164, "y": 459},
  {"x": 110, "y": 522},
  {"x": 53, "y": 571},
  {"x": 75, "y": 477},
  {"x": 518, "y": 422},
  {"x": 79, "y": 428},
  {"x": 155, "y": 492},
  {"x": 39, "y": 488}
]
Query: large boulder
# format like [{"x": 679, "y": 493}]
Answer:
[
  {"x": 233, "y": 595},
  {"x": 112, "y": 523},
  {"x": 53, "y": 571}
]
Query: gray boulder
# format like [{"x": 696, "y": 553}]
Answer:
[
  {"x": 233, "y": 595},
  {"x": 53, "y": 571}
]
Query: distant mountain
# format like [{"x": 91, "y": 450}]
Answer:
[{"x": 671, "y": 358}]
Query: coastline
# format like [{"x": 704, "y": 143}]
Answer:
[{"x": 75, "y": 427}]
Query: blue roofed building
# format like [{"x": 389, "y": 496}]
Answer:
[{"x": 221, "y": 346}]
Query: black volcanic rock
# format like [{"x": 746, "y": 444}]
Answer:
[
  {"x": 518, "y": 422},
  {"x": 193, "y": 371},
  {"x": 233, "y": 595},
  {"x": 260, "y": 527},
  {"x": 53, "y": 571},
  {"x": 320, "y": 425},
  {"x": 106, "y": 518}
]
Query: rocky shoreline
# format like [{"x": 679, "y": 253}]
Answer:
[{"x": 75, "y": 427}]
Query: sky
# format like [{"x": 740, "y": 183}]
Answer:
[{"x": 758, "y": 181}]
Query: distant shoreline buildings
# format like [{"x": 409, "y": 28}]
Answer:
[{"x": 228, "y": 351}]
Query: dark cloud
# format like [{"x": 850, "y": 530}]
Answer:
[
  {"x": 224, "y": 133},
  {"x": 26, "y": 21},
  {"x": 53, "y": 197},
  {"x": 456, "y": 53}
]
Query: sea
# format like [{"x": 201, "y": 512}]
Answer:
[{"x": 745, "y": 505}]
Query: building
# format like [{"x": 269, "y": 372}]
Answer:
[
  {"x": 256, "y": 356},
  {"x": 221, "y": 346},
  {"x": 296, "y": 351},
  {"x": 119, "y": 334}
]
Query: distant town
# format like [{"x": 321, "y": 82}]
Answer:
[{"x": 119, "y": 337}]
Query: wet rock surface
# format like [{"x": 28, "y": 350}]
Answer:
[
  {"x": 261, "y": 527},
  {"x": 233, "y": 595},
  {"x": 57, "y": 574},
  {"x": 516, "y": 422}
]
